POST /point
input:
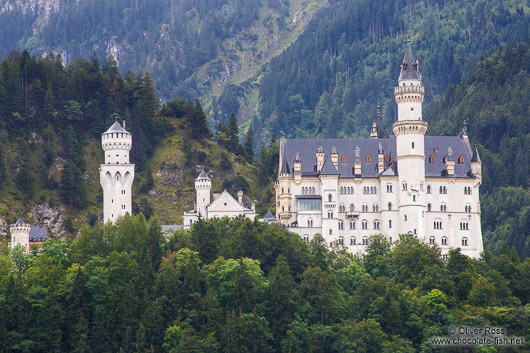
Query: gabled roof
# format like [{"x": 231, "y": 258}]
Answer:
[
  {"x": 328, "y": 168},
  {"x": 409, "y": 68},
  {"x": 269, "y": 217},
  {"x": 476, "y": 157},
  {"x": 203, "y": 176},
  {"x": 116, "y": 127},
  {"x": 226, "y": 202}
]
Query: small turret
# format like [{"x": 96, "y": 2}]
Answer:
[
  {"x": 203, "y": 186},
  {"x": 20, "y": 234},
  {"x": 373, "y": 133},
  {"x": 476, "y": 164},
  {"x": 320, "y": 158},
  {"x": 116, "y": 143},
  {"x": 380, "y": 159}
]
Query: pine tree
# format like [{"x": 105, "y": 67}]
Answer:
[
  {"x": 249, "y": 145},
  {"x": 233, "y": 135},
  {"x": 198, "y": 123}
]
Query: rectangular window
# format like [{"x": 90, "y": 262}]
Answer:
[{"x": 309, "y": 204}]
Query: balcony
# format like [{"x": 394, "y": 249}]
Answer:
[{"x": 352, "y": 214}]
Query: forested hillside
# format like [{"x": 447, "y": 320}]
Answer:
[
  {"x": 192, "y": 48},
  {"x": 243, "y": 286},
  {"x": 493, "y": 100},
  {"x": 329, "y": 82},
  {"x": 51, "y": 120}
]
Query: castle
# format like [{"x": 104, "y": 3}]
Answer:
[
  {"x": 223, "y": 205},
  {"x": 30, "y": 237},
  {"x": 349, "y": 189}
]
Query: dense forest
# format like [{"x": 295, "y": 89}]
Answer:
[
  {"x": 329, "y": 82},
  {"x": 243, "y": 286},
  {"x": 493, "y": 100}
]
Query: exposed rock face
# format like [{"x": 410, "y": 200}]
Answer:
[{"x": 50, "y": 216}]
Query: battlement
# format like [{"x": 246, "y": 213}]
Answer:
[{"x": 411, "y": 93}]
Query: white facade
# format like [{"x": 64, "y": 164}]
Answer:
[
  {"x": 117, "y": 174},
  {"x": 223, "y": 205},
  {"x": 20, "y": 234},
  {"x": 348, "y": 190}
]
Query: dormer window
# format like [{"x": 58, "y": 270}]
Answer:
[
  {"x": 343, "y": 159},
  {"x": 387, "y": 158},
  {"x": 435, "y": 149},
  {"x": 432, "y": 159},
  {"x": 368, "y": 159},
  {"x": 461, "y": 159}
]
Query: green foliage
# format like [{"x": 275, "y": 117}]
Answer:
[{"x": 243, "y": 286}]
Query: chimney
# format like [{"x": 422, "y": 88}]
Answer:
[
  {"x": 380, "y": 159},
  {"x": 320, "y": 158},
  {"x": 450, "y": 162},
  {"x": 216, "y": 195},
  {"x": 334, "y": 157},
  {"x": 240, "y": 197},
  {"x": 124, "y": 122},
  {"x": 297, "y": 164},
  {"x": 253, "y": 206},
  {"x": 373, "y": 133},
  {"x": 357, "y": 171}
]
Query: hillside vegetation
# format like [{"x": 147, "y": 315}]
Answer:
[
  {"x": 244, "y": 286},
  {"x": 329, "y": 82}
]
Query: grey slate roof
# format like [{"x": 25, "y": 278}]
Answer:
[
  {"x": 37, "y": 234},
  {"x": 285, "y": 166},
  {"x": 328, "y": 168},
  {"x": 307, "y": 148},
  {"x": 203, "y": 176},
  {"x": 171, "y": 227},
  {"x": 116, "y": 127},
  {"x": 20, "y": 221},
  {"x": 409, "y": 69},
  {"x": 269, "y": 217}
]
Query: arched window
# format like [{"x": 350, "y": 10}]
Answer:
[
  {"x": 444, "y": 240},
  {"x": 365, "y": 208},
  {"x": 443, "y": 207},
  {"x": 343, "y": 159},
  {"x": 341, "y": 225},
  {"x": 404, "y": 186},
  {"x": 432, "y": 240},
  {"x": 435, "y": 149},
  {"x": 432, "y": 159},
  {"x": 429, "y": 207},
  {"x": 461, "y": 159},
  {"x": 365, "y": 241},
  {"x": 364, "y": 224},
  {"x": 387, "y": 158},
  {"x": 464, "y": 241},
  {"x": 330, "y": 214},
  {"x": 306, "y": 238},
  {"x": 375, "y": 208},
  {"x": 353, "y": 241},
  {"x": 352, "y": 225},
  {"x": 376, "y": 225},
  {"x": 389, "y": 188},
  {"x": 352, "y": 208},
  {"x": 464, "y": 225},
  {"x": 405, "y": 218},
  {"x": 368, "y": 159},
  {"x": 341, "y": 240},
  {"x": 445, "y": 159},
  {"x": 438, "y": 224},
  {"x": 468, "y": 208}
]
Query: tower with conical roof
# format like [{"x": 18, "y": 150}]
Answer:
[
  {"x": 117, "y": 173},
  {"x": 20, "y": 234},
  {"x": 203, "y": 186},
  {"x": 410, "y": 142}
]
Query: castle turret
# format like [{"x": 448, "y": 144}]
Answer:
[
  {"x": 410, "y": 132},
  {"x": 116, "y": 174},
  {"x": 20, "y": 234},
  {"x": 203, "y": 186}
]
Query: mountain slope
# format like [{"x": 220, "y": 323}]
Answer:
[{"x": 329, "y": 82}]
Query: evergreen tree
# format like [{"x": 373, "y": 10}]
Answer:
[
  {"x": 249, "y": 145},
  {"x": 198, "y": 123},
  {"x": 25, "y": 182}
]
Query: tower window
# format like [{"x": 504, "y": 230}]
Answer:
[{"x": 390, "y": 224}]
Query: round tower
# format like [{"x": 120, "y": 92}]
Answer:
[
  {"x": 203, "y": 186},
  {"x": 20, "y": 234},
  {"x": 116, "y": 174},
  {"x": 410, "y": 135}
]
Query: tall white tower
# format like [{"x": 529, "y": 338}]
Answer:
[
  {"x": 117, "y": 174},
  {"x": 20, "y": 234},
  {"x": 410, "y": 134},
  {"x": 203, "y": 185}
]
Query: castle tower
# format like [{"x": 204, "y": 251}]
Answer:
[
  {"x": 410, "y": 132},
  {"x": 20, "y": 234},
  {"x": 117, "y": 174},
  {"x": 283, "y": 187},
  {"x": 203, "y": 185}
]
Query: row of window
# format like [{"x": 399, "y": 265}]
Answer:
[
  {"x": 365, "y": 240},
  {"x": 372, "y": 190},
  {"x": 443, "y": 208},
  {"x": 308, "y": 190}
]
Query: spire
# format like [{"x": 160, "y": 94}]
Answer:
[
  {"x": 476, "y": 157},
  {"x": 379, "y": 123},
  {"x": 409, "y": 68},
  {"x": 285, "y": 166},
  {"x": 203, "y": 176}
]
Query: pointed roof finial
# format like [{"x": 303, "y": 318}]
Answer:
[
  {"x": 464, "y": 127},
  {"x": 203, "y": 176},
  {"x": 320, "y": 149}
]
